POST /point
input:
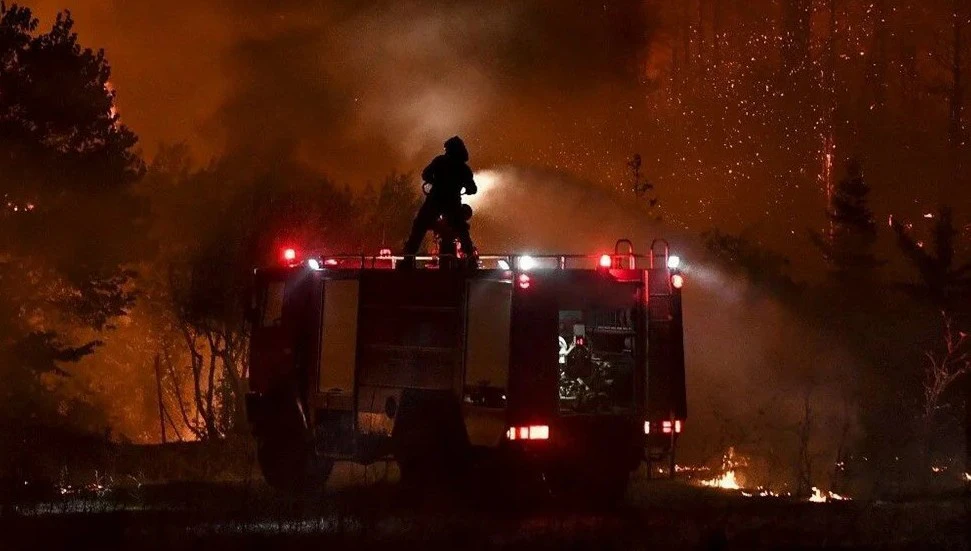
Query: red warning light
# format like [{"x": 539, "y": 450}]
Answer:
[
  {"x": 524, "y": 281},
  {"x": 677, "y": 281},
  {"x": 531, "y": 432},
  {"x": 606, "y": 261},
  {"x": 289, "y": 255}
]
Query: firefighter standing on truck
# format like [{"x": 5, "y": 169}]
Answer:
[{"x": 448, "y": 175}]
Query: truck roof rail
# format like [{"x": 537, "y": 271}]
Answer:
[{"x": 500, "y": 261}]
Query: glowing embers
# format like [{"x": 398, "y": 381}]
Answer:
[{"x": 529, "y": 432}]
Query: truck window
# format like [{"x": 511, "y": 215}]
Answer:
[
  {"x": 272, "y": 314},
  {"x": 596, "y": 360},
  {"x": 487, "y": 342}
]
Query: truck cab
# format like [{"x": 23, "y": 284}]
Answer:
[{"x": 561, "y": 364}]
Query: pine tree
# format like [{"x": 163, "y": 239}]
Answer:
[
  {"x": 848, "y": 248},
  {"x": 70, "y": 224}
]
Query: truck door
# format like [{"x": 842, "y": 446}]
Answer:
[
  {"x": 488, "y": 317},
  {"x": 338, "y": 342},
  {"x": 270, "y": 347},
  {"x": 534, "y": 351}
]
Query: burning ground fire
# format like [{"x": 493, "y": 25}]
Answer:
[
  {"x": 820, "y": 496},
  {"x": 729, "y": 480}
]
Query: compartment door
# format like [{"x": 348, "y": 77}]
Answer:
[
  {"x": 338, "y": 339},
  {"x": 488, "y": 318}
]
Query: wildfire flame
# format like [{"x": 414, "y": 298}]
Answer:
[
  {"x": 820, "y": 496},
  {"x": 727, "y": 481}
]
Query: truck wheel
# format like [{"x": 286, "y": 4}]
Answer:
[{"x": 286, "y": 452}]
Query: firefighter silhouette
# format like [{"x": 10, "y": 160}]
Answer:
[{"x": 446, "y": 177}]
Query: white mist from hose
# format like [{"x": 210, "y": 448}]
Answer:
[{"x": 487, "y": 181}]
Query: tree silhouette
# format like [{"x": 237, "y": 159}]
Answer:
[
  {"x": 848, "y": 246},
  {"x": 638, "y": 185},
  {"x": 387, "y": 212},
  {"x": 947, "y": 287},
  {"x": 216, "y": 224},
  {"x": 68, "y": 222},
  {"x": 764, "y": 268},
  {"x": 940, "y": 281}
]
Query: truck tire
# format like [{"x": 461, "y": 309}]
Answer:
[{"x": 286, "y": 452}]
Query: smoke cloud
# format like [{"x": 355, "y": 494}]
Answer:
[{"x": 358, "y": 89}]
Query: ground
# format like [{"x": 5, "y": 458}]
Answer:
[{"x": 367, "y": 508}]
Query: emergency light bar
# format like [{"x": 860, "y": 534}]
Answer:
[{"x": 620, "y": 259}]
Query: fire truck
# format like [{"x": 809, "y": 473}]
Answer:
[{"x": 571, "y": 366}]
